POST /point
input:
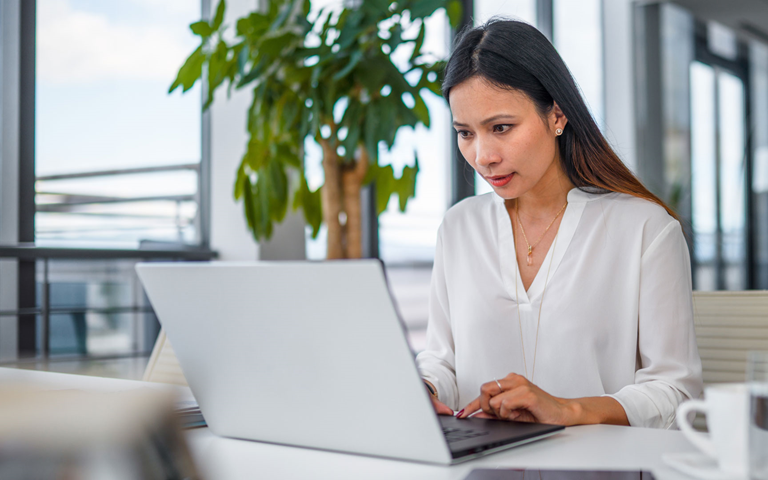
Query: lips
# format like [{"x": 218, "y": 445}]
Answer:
[{"x": 499, "y": 180}]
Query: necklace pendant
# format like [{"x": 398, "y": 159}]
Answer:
[{"x": 530, "y": 258}]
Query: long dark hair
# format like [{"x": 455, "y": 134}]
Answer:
[{"x": 514, "y": 55}]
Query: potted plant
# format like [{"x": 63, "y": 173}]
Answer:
[{"x": 333, "y": 79}]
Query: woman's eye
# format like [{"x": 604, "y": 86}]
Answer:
[
  {"x": 463, "y": 133},
  {"x": 501, "y": 128}
]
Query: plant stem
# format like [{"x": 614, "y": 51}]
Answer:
[
  {"x": 331, "y": 196},
  {"x": 352, "y": 181}
]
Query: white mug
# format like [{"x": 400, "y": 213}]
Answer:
[{"x": 726, "y": 408}]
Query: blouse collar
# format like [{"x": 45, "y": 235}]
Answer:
[{"x": 575, "y": 195}]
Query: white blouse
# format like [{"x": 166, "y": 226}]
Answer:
[{"x": 617, "y": 316}]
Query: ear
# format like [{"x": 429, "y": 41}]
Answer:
[{"x": 557, "y": 118}]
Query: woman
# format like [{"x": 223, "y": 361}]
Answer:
[{"x": 563, "y": 297}]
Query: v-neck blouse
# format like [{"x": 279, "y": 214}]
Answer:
[{"x": 617, "y": 315}]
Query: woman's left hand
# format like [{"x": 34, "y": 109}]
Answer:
[{"x": 520, "y": 400}]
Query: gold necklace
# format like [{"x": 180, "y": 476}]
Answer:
[
  {"x": 530, "y": 247},
  {"x": 541, "y": 305}
]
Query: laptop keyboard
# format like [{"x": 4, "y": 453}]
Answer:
[{"x": 459, "y": 434}]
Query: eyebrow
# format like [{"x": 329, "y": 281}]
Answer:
[{"x": 487, "y": 120}]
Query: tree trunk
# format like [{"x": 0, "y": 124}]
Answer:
[
  {"x": 352, "y": 181},
  {"x": 332, "y": 201}
]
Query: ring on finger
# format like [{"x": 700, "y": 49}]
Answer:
[{"x": 497, "y": 383}]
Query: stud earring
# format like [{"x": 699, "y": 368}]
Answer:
[{"x": 559, "y": 132}]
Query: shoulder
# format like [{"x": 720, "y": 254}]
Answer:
[
  {"x": 472, "y": 210},
  {"x": 633, "y": 216}
]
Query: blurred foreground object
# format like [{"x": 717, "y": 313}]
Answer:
[{"x": 78, "y": 435}]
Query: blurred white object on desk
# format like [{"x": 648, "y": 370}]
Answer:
[{"x": 74, "y": 434}]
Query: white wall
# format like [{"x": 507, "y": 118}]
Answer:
[
  {"x": 229, "y": 231},
  {"x": 619, "y": 84}
]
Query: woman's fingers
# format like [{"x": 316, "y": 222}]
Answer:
[
  {"x": 516, "y": 404},
  {"x": 482, "y": 414},
  {"x": 440, "y": 407},
  {"x": 515, "y": 398},
  {"x": 471, "y": 408}
]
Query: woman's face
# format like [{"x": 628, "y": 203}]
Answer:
[{"x": 504, "y": 138}]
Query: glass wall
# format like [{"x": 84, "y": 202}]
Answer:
[
  {"x": 704, "y": 175},
  {"x": 732, "y": 133},
  {"x": 116, "y": 156},
  {"x": 719, "y": 161},
  {"x": 759, "y": 103},
  {"x": 578, "y": 36}
]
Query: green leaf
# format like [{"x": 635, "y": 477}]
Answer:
[
  {"x": 276, "y": 184},
  {"x": 405, "y": 186},
  {"x": 425, "y": 8},
  {"x": 239, "y": 184},
  {"x": 353, "y": 139},
  {"x": 395, "y": 36},
  {"x": 264, "y": 217},
  {"x": 201, "y": 29},
  {"x": 249, "y": 210},
  {"x": 354, "y": 59},
  {"x": 190, "y": 72},
  {"x": 274, "y": 43},
  {"x": 311, "y": 203},
  {"x": 218, "y": 18},
  {"x": 385, "y": 187},
  {"x": 371, "y": 173},
  {"x": 373, "y": 75},
  {"x": 455, "y": 12},
  {"x": 372, "y": 130},
  {"x": 420, "y": 109},
  {"x": 253, "y": 74},
  {"x": 387, "y": 124},
  {"x": 285, "y": 11},
  {"x": 419, "y": 42}
]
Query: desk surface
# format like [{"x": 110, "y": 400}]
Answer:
[{"x": 582, "y": 448}]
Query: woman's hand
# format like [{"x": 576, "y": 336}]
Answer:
[
  {"x": 520, "y": 400},
  {"x": 440, "y": 407}
]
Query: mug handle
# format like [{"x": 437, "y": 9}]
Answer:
[{"x": 699, "y": 439}]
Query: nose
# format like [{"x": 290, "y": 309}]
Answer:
[{"x": 485, "y": 154}]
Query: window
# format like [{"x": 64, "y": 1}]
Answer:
[
  {"x": 116, "y": 165},
  {"x": 719, "y": 161},
  {"x": 578, "y": 36},
  {"x": 116, "y": 157},
  {"x": 523, "y": 10}
]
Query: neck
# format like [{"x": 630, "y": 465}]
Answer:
[{"x": 548, "y": 195}]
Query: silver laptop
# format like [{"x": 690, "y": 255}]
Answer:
[{"x": 310, "y": 354}]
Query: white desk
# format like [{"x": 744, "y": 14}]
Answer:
[{"x": 582, "y": 448}]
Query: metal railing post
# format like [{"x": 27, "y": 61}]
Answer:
[{"x": 46, "y": 313}]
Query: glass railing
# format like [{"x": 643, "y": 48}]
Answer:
[
  {"x": 119, "y": 208},
  {"x": 80, "y": 303}
]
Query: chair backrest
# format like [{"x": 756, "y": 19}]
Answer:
[
  {"x": 163, "y": 367},
  {"x": 728, "y": 324}
]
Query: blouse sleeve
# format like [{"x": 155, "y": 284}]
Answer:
[
  {"x": 437, "y": 362},
  {"x": 669, "y": 367}
]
